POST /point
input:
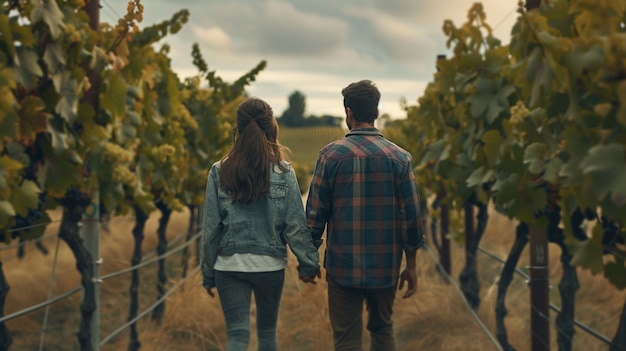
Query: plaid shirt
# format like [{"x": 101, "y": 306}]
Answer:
[{"x": 364, "y": 189}]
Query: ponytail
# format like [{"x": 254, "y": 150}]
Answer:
[{"x": 244, "y": 173}]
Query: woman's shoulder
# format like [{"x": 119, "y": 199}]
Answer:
[{"x": 282, "y": 167}]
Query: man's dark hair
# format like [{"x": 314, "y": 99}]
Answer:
[{"x": 362, "y": 98}]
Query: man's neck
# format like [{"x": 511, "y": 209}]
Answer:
[{"x": 363, "y": 125}]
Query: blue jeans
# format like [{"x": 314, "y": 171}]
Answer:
[{"x": 235, "y": 290}]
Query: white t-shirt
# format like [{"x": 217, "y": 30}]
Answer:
[{"x": 248, "y": 262}]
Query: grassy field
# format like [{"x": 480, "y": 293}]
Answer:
[
  {"x": 306, "y": 142},
  {"x": 435, "y": 318}
]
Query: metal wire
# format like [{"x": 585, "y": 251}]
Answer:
[
  {"x": 44, "y": 327},
  {"x": 40, "y": 305},
  {"x": 553, "y": 307},
  {"x": 79, "y": 288},
  {"x": 149, "y": 309},
  {"x": 146, "y": 263},
  {"x": 495, "y": 342}
]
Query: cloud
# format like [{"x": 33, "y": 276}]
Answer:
[
  {"x": 286, "y": 30},
  {"x": 214, "y": 37},
  {"x": 401, "y": 40},
  {"x": 318, "y": 47}
]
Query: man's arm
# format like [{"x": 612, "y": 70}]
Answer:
[
  {"x": 318, "y": 201},
  {"x": 413, "y": 236}
]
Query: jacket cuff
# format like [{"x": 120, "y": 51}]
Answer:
[
  {"x": 308, "y": 271},
  {"x": 318, "y": 243}
]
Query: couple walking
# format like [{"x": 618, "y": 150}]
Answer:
[{"x": 363, "y": 193}]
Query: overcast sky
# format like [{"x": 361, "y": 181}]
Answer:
[{"x": 318, "y": 46}]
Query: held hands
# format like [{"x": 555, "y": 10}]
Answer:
[
  {"x": 410, "y": 277},
  {"x": 312, "y": 279}
]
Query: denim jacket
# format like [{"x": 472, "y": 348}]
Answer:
[{"x": 262, "y": 227}]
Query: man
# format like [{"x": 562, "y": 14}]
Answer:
[{"x": 363, "y": 189}]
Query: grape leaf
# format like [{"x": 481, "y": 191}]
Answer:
[
  {"x": 63, "y": 171},
  {"x": 605, "y": 168},
  {"x": 110, "y": 100},
  {"x": 434, "y": 151},
  {"x": 490, "y": 98},
  {"x": 69, "y": 90},
  {"x": 491, "y": 148},
  {"x": 588, "y": 253},
  {"x": 25, "y": 198},
  {"x": 48, "y": 11},
  {"x": 534, "y": 156},
  {"x": 54, "y": 57},
  {"x": 33, "y": 119},
  {"x": 6, "y": 213},
  {"x": 615, "y": 272},
  {"x": 27, "y": 68}
]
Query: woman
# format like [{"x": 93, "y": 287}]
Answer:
[{"x": 253, "y": 208}]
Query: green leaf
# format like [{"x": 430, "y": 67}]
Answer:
[
  {"x": 535, "y": 155},
  {"x": 491, "y": 148},
  {"x": 605, "y": 168},
  {"x": 476, "y": 178},
  {"x": 579, "y": 60},
  {"x": 588, "y": 253},
  {"x": 62, "y": 172},
  {"x": 48, "y": 11},
  {"x": 434, "y": 151},
  {"x": 7, "y": 34},
  {"x": 8, "y": 166},
  {"x": 26, "y": 68},
  {"x": 6, "y": 213},
  {"x": 111, "y": 100},
  {"x": 25, "y": 198},
  {"x": 33, "y": 119},
  {"x": 60, "y": 141},
  {"x": 615, "y": 272},
  {"x": 490, "y": 99},
  {"x": 69, "y": 89},
  {"x": 553, "y": 168},
  {"x": 54, "y": 57}
]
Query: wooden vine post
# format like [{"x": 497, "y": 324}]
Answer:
[
  {"x": 444, "y": 255},
  {"x": 539, "y": 283},
  {"x": 539, "y": 286},
  {"x": 444, "y": 252},
  {"x": 91, "y": 218}
]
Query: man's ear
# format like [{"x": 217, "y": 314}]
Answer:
[{"x": 348, "y": 111}]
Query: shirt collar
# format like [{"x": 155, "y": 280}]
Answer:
[{"x": 364, "y": 131}]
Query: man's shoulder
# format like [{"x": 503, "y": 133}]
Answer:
[{"x": 397, "y": 149}]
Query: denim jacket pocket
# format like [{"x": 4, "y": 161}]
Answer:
[{"x": 277, "y": 190}]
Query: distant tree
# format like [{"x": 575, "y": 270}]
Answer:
[
  {"x": 294, "y": 114},
  {"x": 382, "y": 121}
]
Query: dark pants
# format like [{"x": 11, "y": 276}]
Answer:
[
  {"x": 345, "y": 307},
  {"x": 235, "y": 290}
]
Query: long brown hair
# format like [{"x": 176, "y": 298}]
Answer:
[{"x": 244, "y": 173}]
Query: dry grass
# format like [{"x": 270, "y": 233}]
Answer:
[{"x": 435, "y": 318}]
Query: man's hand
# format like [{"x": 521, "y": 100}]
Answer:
[
  {"x": 210, "y": 291},
  {"x": 312, "y": 279},
  {"x": 409, "y": 276}
]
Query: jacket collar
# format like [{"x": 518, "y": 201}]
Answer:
[{"x": 364, "y": 131}]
